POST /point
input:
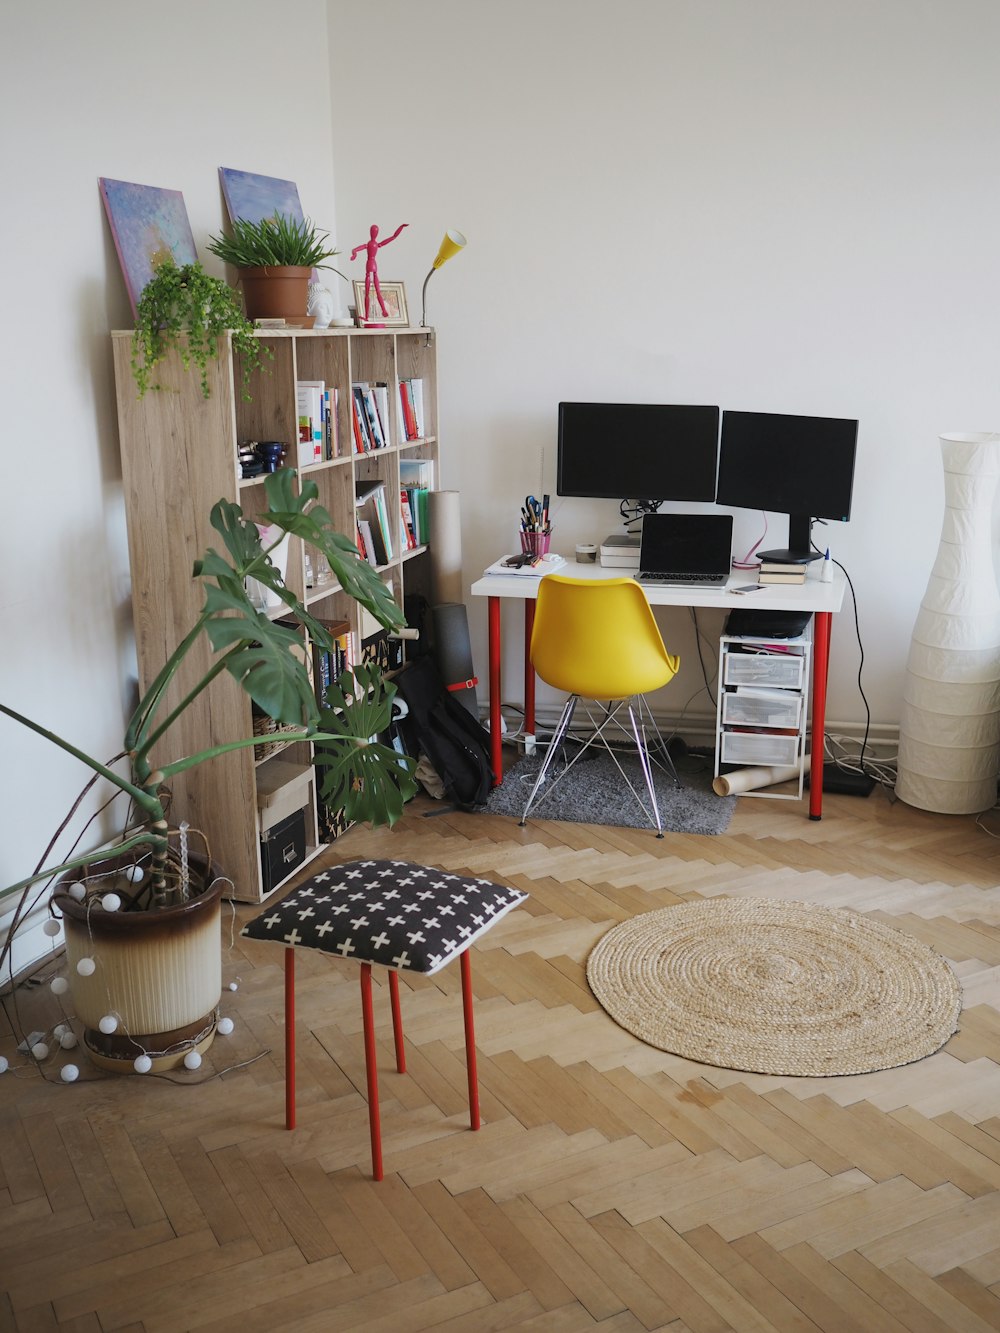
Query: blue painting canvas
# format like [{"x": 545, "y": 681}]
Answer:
[
  {"x": 148, "y": 225},
  {"x": 251, "y": 197}
]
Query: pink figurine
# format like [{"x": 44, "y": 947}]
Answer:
[{"x": 372, "y": 247}]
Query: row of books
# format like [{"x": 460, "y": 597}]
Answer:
[
  {"x": 316, "y": 409},
  {"x": 781, "y": 571},
  {"x": 370, "y": 416},
  {"x": 329, "y": 664},
  {"x": 411, "y": 395},
  {"x": 374, "y": 534},
  {"x": 416, "y": 478}
]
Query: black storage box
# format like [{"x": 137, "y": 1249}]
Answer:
[{"x": 282, "y": 848}]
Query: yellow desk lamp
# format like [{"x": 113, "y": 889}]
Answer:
[{"x": 452, "y": 243}]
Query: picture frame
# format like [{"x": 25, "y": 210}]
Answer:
[
  {"x": 148, "y": 225},
  {"x": 251, "y": 198},
  {"x": 394, "y": 296}
]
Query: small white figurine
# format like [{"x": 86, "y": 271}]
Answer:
[{"x": 321, "y": 304}]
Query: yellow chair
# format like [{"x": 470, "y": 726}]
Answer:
[{"x": 598, "y": 640}]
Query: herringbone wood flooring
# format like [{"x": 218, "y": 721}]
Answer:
[{"x": 611, "y": 1185}]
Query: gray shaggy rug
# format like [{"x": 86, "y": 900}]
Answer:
[{"x": 593, "y": 793}]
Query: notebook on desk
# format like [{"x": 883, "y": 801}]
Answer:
[{"x": 686, "y": 551}]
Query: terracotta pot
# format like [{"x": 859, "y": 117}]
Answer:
[
  {"x": 278, "y": 292},
  {"x": 158, "y": 972}
]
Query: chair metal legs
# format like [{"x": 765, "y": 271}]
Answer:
[{"x": 639, "y": 717}]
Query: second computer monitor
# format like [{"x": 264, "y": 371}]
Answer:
[
  {"x": 794, "y": 465},
  {"x": 637, "y": 451}
]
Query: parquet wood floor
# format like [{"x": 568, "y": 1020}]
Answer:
[{"x": 612, "y": 1186}]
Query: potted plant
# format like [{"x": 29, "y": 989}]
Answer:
[
  {"x": 153, "y": 899},
  {"x": 186, "y": 308},
  {"x": 275, "y": 258}
]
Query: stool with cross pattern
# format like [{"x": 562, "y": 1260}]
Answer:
[{"x": 397, "y": 915}]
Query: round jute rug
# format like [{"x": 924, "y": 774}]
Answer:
[{"x": 776, "y": 987}]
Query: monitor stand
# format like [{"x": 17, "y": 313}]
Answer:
[{"x": 799, "y": 550}]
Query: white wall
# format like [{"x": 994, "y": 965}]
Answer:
[
  {"x": 162, "y": 97},
  {"x": 783, "y": 205}
]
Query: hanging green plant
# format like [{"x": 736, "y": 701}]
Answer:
[{"x": 186, "y": 308}]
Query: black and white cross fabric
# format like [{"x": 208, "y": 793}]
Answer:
[{"x": 393, "y": 913}]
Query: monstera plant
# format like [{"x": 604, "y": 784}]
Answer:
[{"x": 151, "y": 872}]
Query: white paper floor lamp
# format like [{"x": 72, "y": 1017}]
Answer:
[{"x": 949, "y": 730}]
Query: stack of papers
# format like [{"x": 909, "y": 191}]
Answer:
[{"x": 545, "y": 565}]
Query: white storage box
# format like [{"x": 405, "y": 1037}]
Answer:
[
  {"x": 282, "y": 788},
  {"x": 770, "y": 748},
  {"x": 782, "y": 670},
  {"x": 758, "y": 710}
]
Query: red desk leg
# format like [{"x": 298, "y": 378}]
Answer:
[
  {"x": 821, "y": 668},
  {"x": 371, "y": 1070},
  {"x": 529, "y": 670},
  {"x": 496, "y": 737},
  {"x": 289, "y": 1038},
  {"x": 470, "y": 1041},
  {"x": 397, "y": 1022}
]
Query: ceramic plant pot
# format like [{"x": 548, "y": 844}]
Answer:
[
  {"x": 158, "y": 973},
  {"x": 276, "y": 292}
]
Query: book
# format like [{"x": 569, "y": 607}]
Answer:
[
  {"x": 362, "y": 431},
  {"x": 368, "y": 542},
  {"x": 782, "y": 567},
  {"x": 781, "y": 578},
  {"x": 406, "y": 514},
  {"x": 381, "y": 392},
  {"x": 409, "y": 418},
  {"x": 417, "y": 396},
  {"x": 309, "y": 396},
  {"x": 417, "y": 472},
  {"x": 382, "y": 517}
]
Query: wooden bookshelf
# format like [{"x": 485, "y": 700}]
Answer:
[{"x": 179, "y": 456}]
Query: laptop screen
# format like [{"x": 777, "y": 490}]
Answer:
[{"x": 686, "y": 543}]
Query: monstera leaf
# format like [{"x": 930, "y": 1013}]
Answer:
[{"x": 358, "y": 774}]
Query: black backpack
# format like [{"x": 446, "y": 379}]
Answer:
[{"x": 456, "y": 745}]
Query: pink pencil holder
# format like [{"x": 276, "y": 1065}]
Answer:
[{"x": 535, "y": 543}]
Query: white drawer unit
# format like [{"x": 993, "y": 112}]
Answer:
[
  {"x": 762, "y": 710},
  {"x": 775, "y": 708},
  {"x": 779, "y": 670},
  {"x": 769, "y": 748}
]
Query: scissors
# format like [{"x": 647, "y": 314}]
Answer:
[{"x": 534, "y": 510}]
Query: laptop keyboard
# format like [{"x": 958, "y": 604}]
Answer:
[{"x": 650, "y": 577}]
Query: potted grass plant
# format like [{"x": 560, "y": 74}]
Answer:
[
  {"x": 141, "y": 917},
  {"x": 275, "y": 258}
]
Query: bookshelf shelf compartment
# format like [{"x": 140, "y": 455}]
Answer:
[{"x": 178, "y": 444}]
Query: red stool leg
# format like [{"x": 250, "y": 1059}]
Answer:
[
  {"x": 289, "y": 1038},
  {"x": 374, "y": 1123},
  {"x": 470, "y": 1041},
  {"x": 397, "y": 1023}
]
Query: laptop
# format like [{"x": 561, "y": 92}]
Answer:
[{"x": 686, "y": 551}]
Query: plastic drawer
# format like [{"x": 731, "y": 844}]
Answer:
[
  {"x": 771, "y": 749},
  {"x": 756, "y": 711},
  {"x": 779, "y": 670}
]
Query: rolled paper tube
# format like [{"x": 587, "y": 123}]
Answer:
[
  {"x": 444, "y": 515},
  {"x": 751, "y": 779}
]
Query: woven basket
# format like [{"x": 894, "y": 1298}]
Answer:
[{"x": 266, "y": 726}]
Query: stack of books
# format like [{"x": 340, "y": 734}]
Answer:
[{"x": 782, "y": 571}]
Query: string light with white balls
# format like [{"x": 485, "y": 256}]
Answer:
[{"x": 63, "y": 1035}]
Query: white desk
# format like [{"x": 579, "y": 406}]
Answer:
[{"x": 823, "y": 599}]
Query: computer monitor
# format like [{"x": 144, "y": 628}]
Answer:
[
  {"x": 799, "y": 466},
  {"x": 637, "y": 451}
]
